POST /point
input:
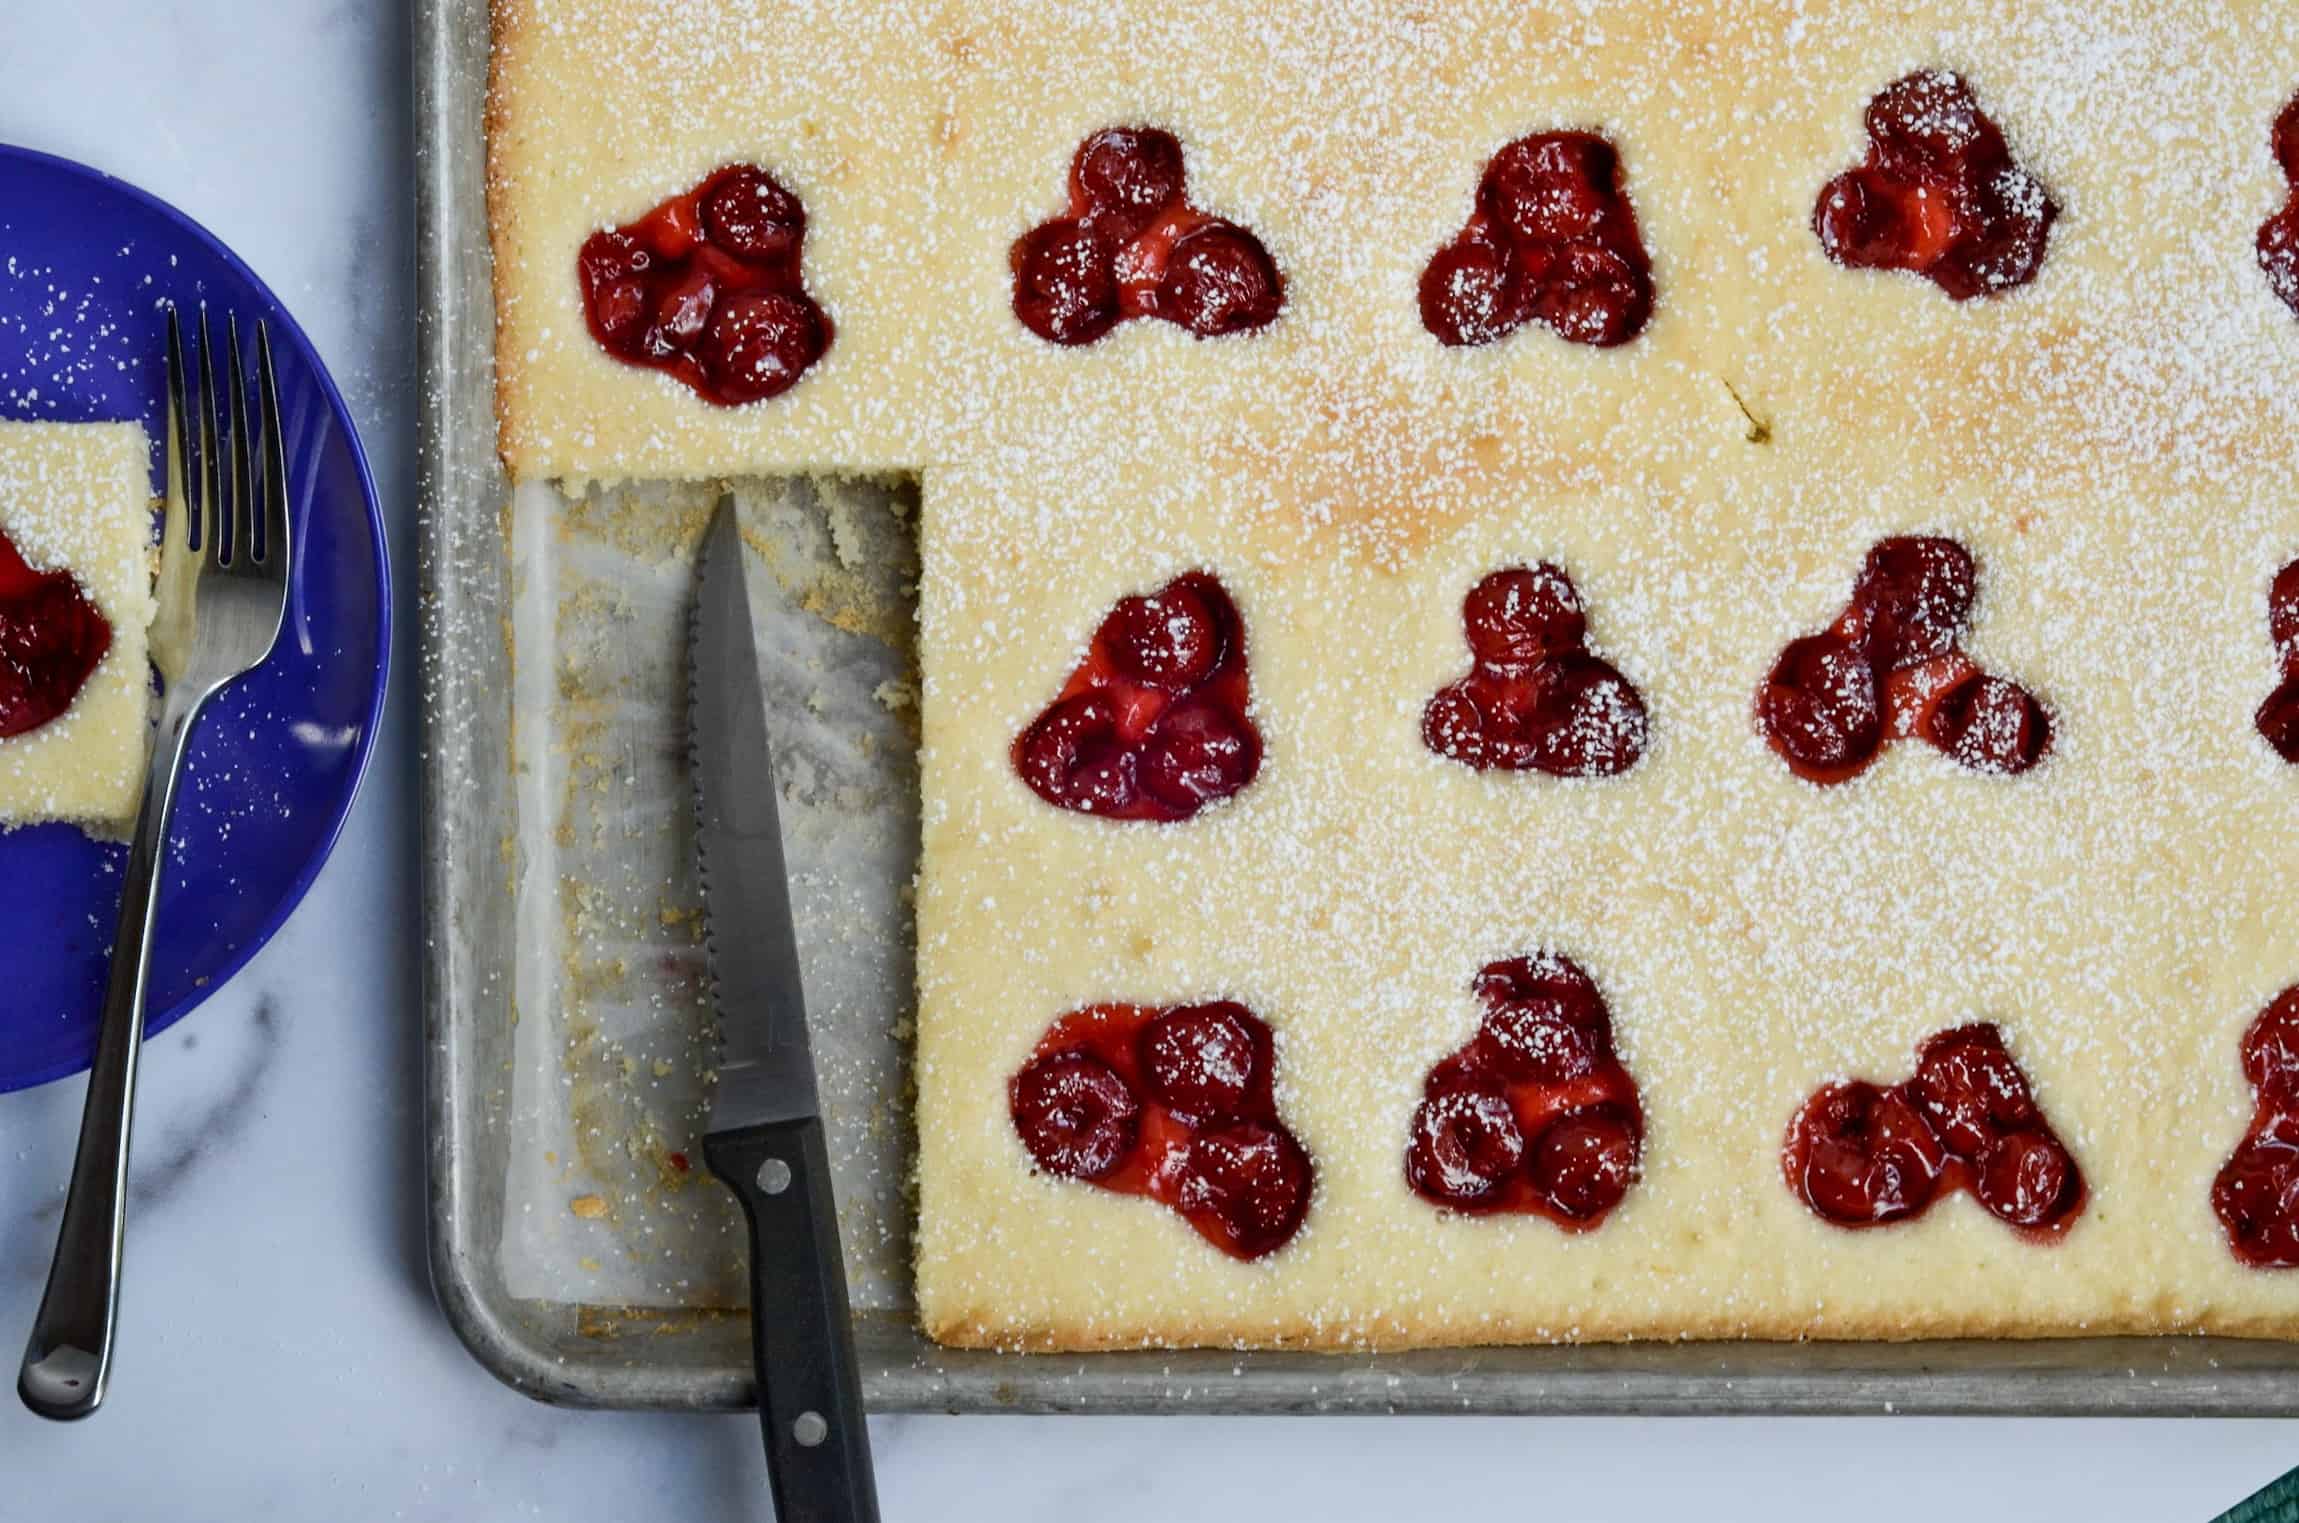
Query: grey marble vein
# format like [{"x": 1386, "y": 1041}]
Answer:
[{"x": 158, "y": 1165}]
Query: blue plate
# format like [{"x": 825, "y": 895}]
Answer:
[{"x": 87, "y": 266}]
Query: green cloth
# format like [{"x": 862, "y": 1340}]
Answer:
[{"x": 2275, "y": 1502}]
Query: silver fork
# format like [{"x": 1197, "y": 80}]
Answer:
[{"x": 225, "y": 560}]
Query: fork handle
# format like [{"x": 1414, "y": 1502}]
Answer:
[{"x": 70, "y": 1352}]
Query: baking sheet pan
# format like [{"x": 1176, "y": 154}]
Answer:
[{"x": 574, "y": 1247}]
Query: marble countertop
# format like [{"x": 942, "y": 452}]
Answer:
[{"x": 280, "y": 1354}]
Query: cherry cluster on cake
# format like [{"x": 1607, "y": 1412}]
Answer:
[
  {"x": 1535, "y": 1113},
  {"x": 2278, "y": 716},
  {"x": 1536, "y": 698},
  {"x": 1554, "y": 239},
  {"x": 2278, "y": 242},
  {"x": 1890, "y": 667},
  {"x": 1152, "y": 725},
  {"x": 1176, "y": 1104},
  {"x": 1863, "y": 1155},
  {"x": 2256, "y": 1195},
  {"x": 1131, "y": 245},
  {"x": 51, "y": 640},
  {"x": 1939, "y": 194},
  {"x": 707, "y": 287}
]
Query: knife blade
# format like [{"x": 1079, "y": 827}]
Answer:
[
  {"x": 765, "y": 1139},
  {"x": 766, "y": 1065}
]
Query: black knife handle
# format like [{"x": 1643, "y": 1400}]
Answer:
[{"x": 801, "y": 1334}]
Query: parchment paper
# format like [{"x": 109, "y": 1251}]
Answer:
[{"x": 608, "y": 1201}]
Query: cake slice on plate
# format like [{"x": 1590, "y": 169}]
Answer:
[{"x": 75, "y": 605}]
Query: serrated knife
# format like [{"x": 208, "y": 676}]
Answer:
[{"x": 765, "y": 1138}]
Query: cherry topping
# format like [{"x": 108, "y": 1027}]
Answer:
[
  {"x": 752, "y": 217},
  {"x": 2278, "y": 716},
  {"x": 1586, "y": 1161},
  {"x": 2012, "y": 216},
  {"x": 1219, "y": 279},
  {"x": 1821, "y": 709},
  {"x": 1168, "y": 640},
  {"x": 2256, "y": 1195},
  {"x": 2278, "y": 247},
  {"x": 760, "y": 343},
  {"x": 1556, "y": 187},
  {"x": 1541, "y": 1066},
  {"x": 1205, "y": 1061},
  {"x": 1861, "y": 1155},
  {"x": 1466, "y": 1145},
  {"x": 51, "y": 641},
  {"x": 1544, "y": 1022},
  {"x": 1590, "y": 721},
  {"x": 2283, "y": 616},
  {"x": 1245, "y": 1185},
  {"x": 1472, "y": 292},
  {"x": 1126, "y": 176},
  {"x": 683, "y": 311},
  {"x": 1523, "y": 613},
  {"x": 707, "y": 287},
  {"x": 1969, "y": 1088},
  {"x": 1990, "y": 725},
  {"x": 1073, "y": 755},
  {"x": 1152, "y": 725},
  {"x": 1131, "y": 245},
  {"x": 1076, "y": 1116},
  {"x": 1552, "y": 237},
  {"x": 1864, "y": 223},
  {"x": 1593, "y": 296},
  {"x": 1913, "y": 598},
  {"x": 1939, "y": 194},
  {"x": 1536, "y": 699},
  {"x": 1200, "y": 753},
  {"x": 2278, "y": 242},
  {"x": 1066, "y": 282},
  {"x": 2278, "y": 720},
  {"x": 1890, "y": 666},
  {"x": 1926, "y": 126},
  {"x": 2027, "y": 1179},
  {"x": 2271, "y": 1051},
  {"x": 612, "y": 268},
  {"x": 1175, "y": 1104}
]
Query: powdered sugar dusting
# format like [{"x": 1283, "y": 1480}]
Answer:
[
  {"x": 2112, "y": 441},
  {"x": 62, "y": 337}
]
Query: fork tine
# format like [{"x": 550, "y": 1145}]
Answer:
[
  {"x": 240, "y": 541},
  {"x": 207, "y": 519},
  {"x": 176, "y": 524},
  {"x": 278, "y": 546}
]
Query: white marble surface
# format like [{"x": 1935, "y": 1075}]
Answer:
[{"x": 281, "y": 1356}]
